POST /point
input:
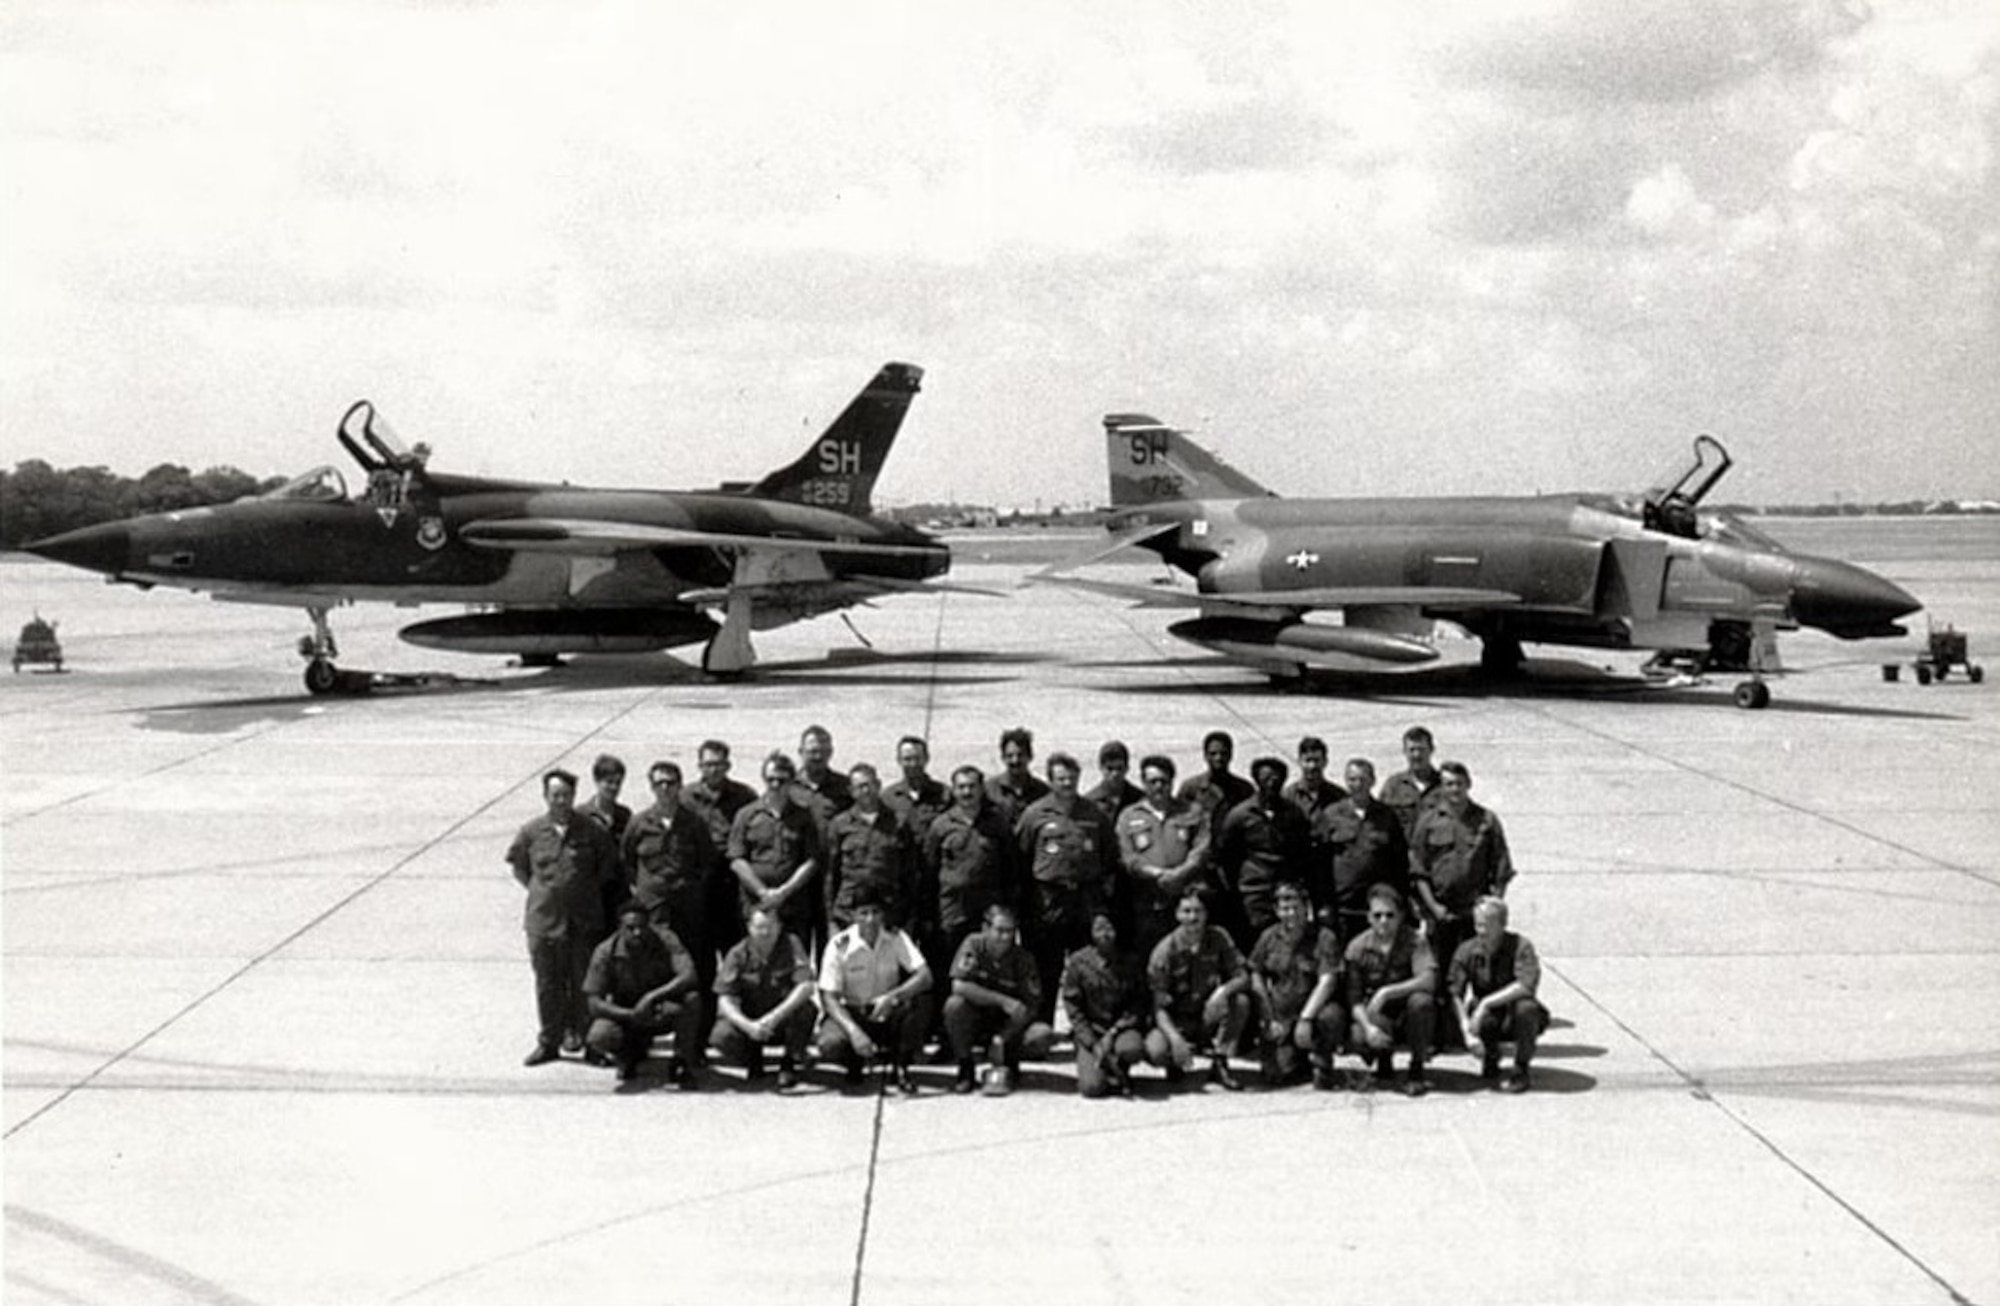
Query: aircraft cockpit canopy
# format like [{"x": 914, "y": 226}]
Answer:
[
  {"x": 323, "y": 484},
  {"x": 1672, "y": 509},
  {"x": 1728, "y": 528}
]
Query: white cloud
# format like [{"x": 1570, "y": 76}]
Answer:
[
  {"x": 1665, "y": 205},
  {"x": 1444, "y": 225}
]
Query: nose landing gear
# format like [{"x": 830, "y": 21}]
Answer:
[{"x": 319, "y": 651}]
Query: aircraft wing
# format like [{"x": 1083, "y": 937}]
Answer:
[
  {"x": 715, "y": 596},
  {"x": 1357, "y": 596},
  {"x": 588, "y": 536}
]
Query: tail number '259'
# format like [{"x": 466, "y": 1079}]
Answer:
[{"x": 826, "y": 494}]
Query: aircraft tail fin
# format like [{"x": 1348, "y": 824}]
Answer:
[
  {"x": 839, "y": 468},
  {"x": 1153, "y": 463}
]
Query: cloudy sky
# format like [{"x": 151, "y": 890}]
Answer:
[{"x": 1363, "y": 248}]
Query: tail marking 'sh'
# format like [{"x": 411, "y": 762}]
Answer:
[
  {"x": 839, "y": 468},
  {"x": 1153, "y": 463}
]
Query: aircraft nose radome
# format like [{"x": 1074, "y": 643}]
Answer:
[
  {"x": 1847, "y": 600},
  {"x": 106, "y": 548}
]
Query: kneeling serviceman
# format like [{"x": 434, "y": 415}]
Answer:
[
  {"x": 875, "y": 989},
  {"x": 1200, "y": 994},
  {"x": 641, "y": 983},
  {"x": 763, "y": 995},
  {"x": 1109, "y": 1009},
  {"x": 995, "y": 993},
  {"x": 1390, "y": 979},
  {"x": 1494, "y": 975},
  {"x": 1295, "y": 978}
]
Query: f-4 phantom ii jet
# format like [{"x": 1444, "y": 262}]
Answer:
[
  {"x": 1702, "y": 589},
  {"x": 555, "y": 569}
]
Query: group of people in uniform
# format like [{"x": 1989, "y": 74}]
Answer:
[{"x": 1283, "y": 915}]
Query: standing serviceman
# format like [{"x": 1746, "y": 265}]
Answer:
[
  {"x": 566, "y": 863},
  {"x": 1065, "y": 844},
  {"x": 1358, "y": 843},
  {"x": 1113, "y": 792},
  {"x": 717, "y": 799},
  {"x": 1264, "y": 840},
  {"x": 1163, "y": 848},
  {"x": 774, "y": 851},
  {"x": 1017, "y": 785},
  {"x": 1217, "y": 789},
  {"x": 607, "y": 779},
  {"x": 1414, "y": 787},
  {"x": 822, "y": 791},
  {"x": 1458, "y": 855},
  {"x": 672, "y": 862},
  {"x": 915, "y": 797},
  {"x": 821, "y": 788},
  {"x": 967, "y": 865},
  {"x": 868, "y": 846},
  {"x": 1312, "y": 790}
]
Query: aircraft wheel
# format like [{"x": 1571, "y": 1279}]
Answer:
[
  {"x": 1975, "y": 674},
  {"x": 1752, "y": 695},
  {"x": 322, "y": 677}
]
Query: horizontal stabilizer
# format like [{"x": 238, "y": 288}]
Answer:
[
  {"x": 1146, "y": 596},
  {"x": 587, "y": 536},
  {"x": 1117, "y": 543}
]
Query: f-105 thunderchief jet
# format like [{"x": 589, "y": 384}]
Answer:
[
  {"x": 1704, "y": 590},
  {"x": 554, "y": 569}
]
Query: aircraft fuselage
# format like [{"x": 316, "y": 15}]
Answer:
[
  {"x": 348, "y": 550},
  {"x": 1556, "y": 568}
]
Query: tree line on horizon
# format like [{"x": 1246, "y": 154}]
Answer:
[{"x": 38, "y": 500}]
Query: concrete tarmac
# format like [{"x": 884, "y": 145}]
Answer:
[{"x": 266, "y": 995}]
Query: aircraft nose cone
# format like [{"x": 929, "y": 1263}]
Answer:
[
  {"x": 106, "y": 548},
  {"x": 1848, "y": 601}
]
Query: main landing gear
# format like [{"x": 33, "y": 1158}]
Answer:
[
  {"x": 729, "y": 652},
  {"x": 1733, "y": 646}
]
